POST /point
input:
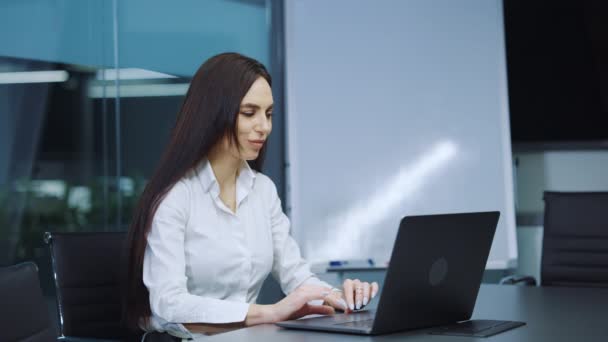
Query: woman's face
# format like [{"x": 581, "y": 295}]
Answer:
[{"x": 254, "y": 121}]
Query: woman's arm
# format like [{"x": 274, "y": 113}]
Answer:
[
  {"x": 257, "y": 314},
  {"x": 288, "y": 268},
  {"x": 165, "y": 277},
  {"x": 292, "y": 271},
  {"x": 294, "y": 306},
  {"x": 164, "y": 271}
]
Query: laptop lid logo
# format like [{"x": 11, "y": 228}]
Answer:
[{"x": 438, "y": 272}]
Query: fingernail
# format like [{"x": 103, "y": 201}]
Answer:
[
  {"x": 365, "y": 300},
  {"x": 352, "y": 307},
  {"x": 342, "y": 303},
  {"x": 358, "y": 305},
  {"x": 373, "y": 294}
]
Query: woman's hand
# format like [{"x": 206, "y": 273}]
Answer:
[
  {"x": 294, "y": 306},
  {"x": 355, "y": 296}
]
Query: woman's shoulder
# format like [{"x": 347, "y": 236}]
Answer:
[
  {"x": 264, "y": 184},
  {"x": 178, "y": 193}
]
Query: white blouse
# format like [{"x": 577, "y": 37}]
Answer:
[{"x": 205, "y": 264}]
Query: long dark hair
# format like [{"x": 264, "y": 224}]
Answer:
[{"x": 208, "y": 114}]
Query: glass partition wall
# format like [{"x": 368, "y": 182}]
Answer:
[{"x": 89, "y": 91}]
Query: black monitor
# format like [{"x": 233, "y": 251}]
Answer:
[{"x": 557, "y": 66}]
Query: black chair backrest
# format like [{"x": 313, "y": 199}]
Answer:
[
  {"x": 575, "y": 241},
  {"x": 24, "y": 314},
  {"x": 87, "y": 269}
]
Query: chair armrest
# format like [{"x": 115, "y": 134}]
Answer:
[{"x": 518, "y": 279}]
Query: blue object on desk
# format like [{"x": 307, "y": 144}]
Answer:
[{"x": 352, "y": 263}]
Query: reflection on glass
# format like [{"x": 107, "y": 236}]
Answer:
[
  {"x": 137, "y": 83},
  {"x": 58, "y": 143},
  {"x": 44, "y": 76},
  {"x": 66, "y": 162}
]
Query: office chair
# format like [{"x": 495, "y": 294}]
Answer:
[
  {"x": 87, "y": 269},
  {"x": 575, "y": 241},
  {"x": 24, "y": 311}
]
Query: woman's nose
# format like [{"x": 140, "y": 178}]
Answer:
[{"x": 264, "y": 124}]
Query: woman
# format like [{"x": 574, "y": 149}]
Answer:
[{"x": 209, "y": 227}]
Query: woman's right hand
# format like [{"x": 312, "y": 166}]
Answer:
[{"x": 294, "y": 306}]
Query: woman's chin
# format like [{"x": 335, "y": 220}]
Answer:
[{"x": 252, "y": 155}]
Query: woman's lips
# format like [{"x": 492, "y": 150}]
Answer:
[{"x": 257, "y": 143}]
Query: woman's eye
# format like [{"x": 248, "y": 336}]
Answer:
[
  {"x": 269, "y": 115},
  {"x": 248, "y": 113}
]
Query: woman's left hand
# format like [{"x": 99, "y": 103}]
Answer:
[{"x": 354, "y": 296}]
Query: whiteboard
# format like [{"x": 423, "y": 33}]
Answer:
[{"x": 394, "y": 108}]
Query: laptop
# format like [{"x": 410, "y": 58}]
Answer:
[{"x": 432, "y": 280}]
